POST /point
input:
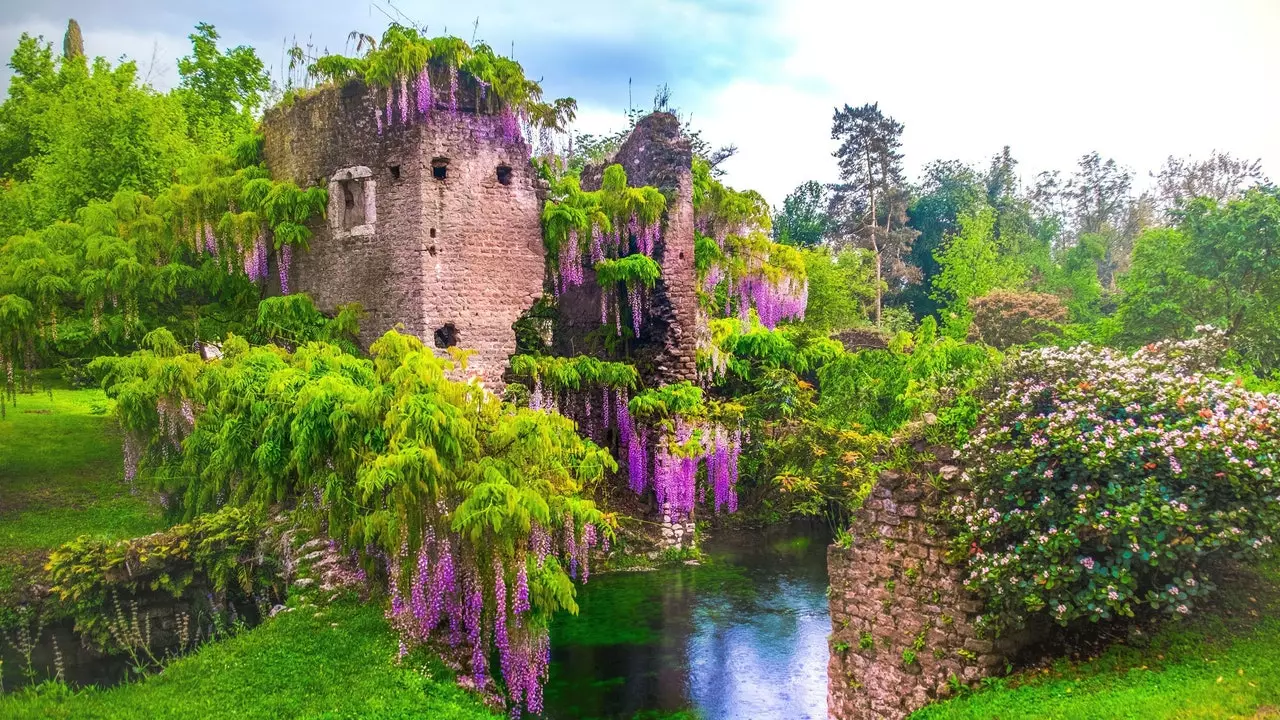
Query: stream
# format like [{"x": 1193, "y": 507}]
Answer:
[{"x": 742, "y": 635}]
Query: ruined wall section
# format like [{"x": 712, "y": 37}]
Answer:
[
  {"x": 433, "y": 225},
  {"x": 902, "y": 623},
  {"x": 656, "y": 153}
]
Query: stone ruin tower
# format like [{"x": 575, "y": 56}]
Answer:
[
  {"x": 435, "y": 224},
  {"x": 432, "y": 224},
  {"x": 656, "y": 153}
]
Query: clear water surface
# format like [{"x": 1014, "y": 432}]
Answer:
[{"x": 744, "y": 635}]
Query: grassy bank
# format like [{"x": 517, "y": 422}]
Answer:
[
  {"x": 61, "y": 474},
  {"x": 1224, "y": 664},
  {"x": 339, "y": 663}
]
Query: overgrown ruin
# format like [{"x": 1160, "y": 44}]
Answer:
[{"x": 436, "y": 226}]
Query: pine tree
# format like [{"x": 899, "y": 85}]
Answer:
[{"x": 870, "y": 206}]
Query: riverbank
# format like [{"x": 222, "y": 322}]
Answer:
[
  {"x": 1224, "y": 663},
  {"x": 338, "y": 661}
]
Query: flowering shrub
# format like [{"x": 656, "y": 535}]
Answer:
[
  {"x": 1103, "y": 481},
  {"x": 1002, "y": 318}
]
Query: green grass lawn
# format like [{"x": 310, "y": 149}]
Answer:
[
  {"x": 296, "y": 665},
  {"x": 61, "y": 475},
  {"x": 1225, "y": 664}
]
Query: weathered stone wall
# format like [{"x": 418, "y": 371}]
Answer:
[
  {"x": 902, "y": 623},
  {"x": 455, "y": 259},
  {"x": 656, "y": 153}
]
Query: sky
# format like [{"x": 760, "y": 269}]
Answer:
[{"x": 1135, "y": 80}]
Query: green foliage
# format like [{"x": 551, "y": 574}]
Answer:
[
  {"x": 664, "y": 403},
  {"x": 293, "y": 320},
  {"x": 1218, "y": 267},
  {"x": 575, "y": 373},
  {"x": 745, "y": 352},
  {"x": 403, "y": 53},
  {"x": 572, "y": 214},
  {"x": 970, "y": 266},
  {"x": 632, "y": 271},
  {"x": 949, "y": 190},
  {"x": 803, "y": 219},
  {"x": 221, "y": 92},
  {"x": 89, "y": 576},
  {"x": 105, "y": 246},
  {"x": 884, "y": 389},
  {"x": 390, "y": 443},
  {"x": 841, "y": 288},
  {"x": 73, "y": 131}
]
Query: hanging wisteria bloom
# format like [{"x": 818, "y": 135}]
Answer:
[
  {"x": 255, "y": 259},
  {"x": 286, "y": 258},
  {"x": 571, "y": 271},
  {"x": 405, "y": 118},
  {"x": 676, "y": 457},
  {"x": 210, "y": 241},
  {"x": 774, "y": 301},
  {"x": 424, "y": 95}
]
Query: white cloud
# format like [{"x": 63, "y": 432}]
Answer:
[{"x": 1136, "y": 80}]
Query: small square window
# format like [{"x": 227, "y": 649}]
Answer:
[
  {"x": 504, "y": 175},
  {"x": 395, "y": 172},
  {"x": 440, "y": 168}
]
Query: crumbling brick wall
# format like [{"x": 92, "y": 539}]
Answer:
[
  {"x": 454, "y": 259},
  {"x": 902, "y": 622}
]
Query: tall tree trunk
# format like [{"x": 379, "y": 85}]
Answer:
[{"x": 875, "y": 247}]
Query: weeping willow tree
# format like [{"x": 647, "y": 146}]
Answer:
[
  {"x": 192, "y": 259},
  {"x": 472, "y": 508}
]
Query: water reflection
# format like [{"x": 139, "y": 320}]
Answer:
[{"x": 743, "y": 636}]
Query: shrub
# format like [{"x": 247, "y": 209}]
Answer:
[
  {"x": 1103, "y": 481},
  {"x": 1002, "y": 318},
  {"x": 925, "y": 373}
]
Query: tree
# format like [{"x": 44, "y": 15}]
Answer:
[
  {"x": 1220, "y": 177},
  {"x": 948, "y": 190},
  {"x": 220, "y": 91},
  {"x": 869, "y": 207},
  {"x": 1014, "y": 226},
  {"x": 73, "y": 41},
  {"x": 803, "y": 219},
  {"x": 73, "y": 131},
  {"x": 970, "y": 267},
  {"x": 1102, "y": 205},
  {"x": 1220, "y": 267},
  {"x": 841, "y": 285}
]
